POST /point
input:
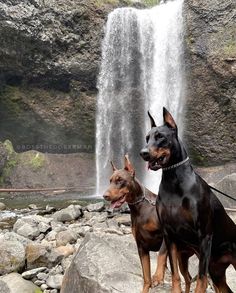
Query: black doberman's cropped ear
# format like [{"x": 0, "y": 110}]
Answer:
[
  {"x": 128, "y": 166},
  {"x": 153, "y": 124},
  {"x": 113, "y": 166},
  {"x": 168, "y": 119}
]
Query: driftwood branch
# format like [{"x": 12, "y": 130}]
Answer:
[{"x": 40, "y": 189}]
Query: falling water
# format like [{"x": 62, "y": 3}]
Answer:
[{"x": 141, "y": 69}]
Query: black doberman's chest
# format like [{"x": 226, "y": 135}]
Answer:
[{"x": 178, "y": 218}]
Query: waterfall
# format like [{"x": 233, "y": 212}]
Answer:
[{"x": 141, "y": 70}]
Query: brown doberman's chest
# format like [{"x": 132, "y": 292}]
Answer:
[{"x": 147, "y": 231}]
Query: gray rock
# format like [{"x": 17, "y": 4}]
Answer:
[
  {"x": 12, "y": 256},
  {"x": 96, "y": 207},
  {"x": 123, "y": 219},
  {"x": 28, "y": 275},
  {"x": 38, "y": 255},
  {"x": 97, "y": 267},
  {"x": 54, "y": 281},
  {"x": 12, "y": 236},
  {"x": 7, "y": 219},
  {"x": 44, "y": 286},
  {"x": 82, "y": 230},
  {"x": 43, "y": 227},
  {"x": 42, "y": 276},
  {"x": 27, "y": 230},
  {"x": 2, "y": 206},
  {"x": 70, "y": 213},
  {"x": 13, "y": 283},
  {"x": 228, "y": 186},
  {"x": 31, "y": 226},
  {"x": 33, "y": 206},
  {"x": 39, "y": 282},
  {"x": 65, "y": 237}
]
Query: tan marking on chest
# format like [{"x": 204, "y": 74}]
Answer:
[{"x": 150, "y": 226}]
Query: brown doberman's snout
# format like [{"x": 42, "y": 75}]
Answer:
[
  {"x": 106, "y": 196},
  {"x": 144, "y": 153}
]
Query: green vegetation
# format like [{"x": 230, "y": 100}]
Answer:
[
  {"x": 151, "y": 3},
  {"x": 9, "y": 148},
  {"x": 230, "y": 48},
  {"x": 38, "y": 291},
  {"x": 12, "y": 160},
  {"x": 10, "y": 100},
  {"x": 148, "y": 3},
  {"x": 37, "y": 161},
  {"x": 197, "y": 158}
]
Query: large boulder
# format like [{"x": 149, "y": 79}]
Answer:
[
  {"x": 211, "y": 80},
  {"x": 14, "y": 283},
  {"x": 101, "y": 263},
  {"x": 105, "y": 263},
  {"x": 12, "y": 256}
]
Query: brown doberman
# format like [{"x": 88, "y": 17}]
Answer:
[
  {"x": 191, "y": 215},
  {"x": 146, "y": 229}
]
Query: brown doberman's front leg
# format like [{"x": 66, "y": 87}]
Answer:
[
  {"x": 173, "y": 255},
  {"x": 158, "y": 277},
  {"x": 145, "y": 262}
]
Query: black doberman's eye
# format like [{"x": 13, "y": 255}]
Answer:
[
  {"x": 158, "y": 136},
  {"x": 147, "y": 138}
]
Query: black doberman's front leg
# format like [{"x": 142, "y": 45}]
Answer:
[{"x": 204, "y": 258}]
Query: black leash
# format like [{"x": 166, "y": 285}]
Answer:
[{"x": 222, "y": 193}]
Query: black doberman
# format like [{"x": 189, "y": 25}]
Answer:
[
  {"x": 193, "y": 218},
  {"x": 124, "y": 187}
]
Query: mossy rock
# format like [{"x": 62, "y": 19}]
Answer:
[
  {"x": 11, "y": 161},
  {"x": 33, "y": 159}
]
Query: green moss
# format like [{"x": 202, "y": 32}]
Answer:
[
  {"x": 12, "y": 160},
  {"x": 37, "y": 161},
  {"x": 230, "y": 49},
  {"x": 9, "y": 147},
  {"x": 38, "y": 291},
  {"x": 197, "y": 158},
  {"x": 10, "y": 97},
  {"x": 150, "y": 3}
]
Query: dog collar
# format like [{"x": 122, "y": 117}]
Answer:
[
  {"x": 176, "y": 165},
  {"x": 152, "y": 202}
]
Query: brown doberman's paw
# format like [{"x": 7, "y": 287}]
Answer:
[
  {"x": 157, "y": 280},
  {"x": 176, "y": 289},
  {"x": 146, "y": 288}
]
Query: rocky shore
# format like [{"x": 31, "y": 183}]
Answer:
[{"x": 75, "y": 249}]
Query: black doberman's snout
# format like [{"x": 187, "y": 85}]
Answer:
[{"x": 145, "y": 154}]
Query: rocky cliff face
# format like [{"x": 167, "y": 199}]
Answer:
[
  {"x": 211, "y": 80},
  {"x": 49, "y": 60}
]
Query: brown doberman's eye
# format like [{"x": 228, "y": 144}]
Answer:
[
  {"x": 147, "y": 138},
  {"x": 120, "y": 181}
]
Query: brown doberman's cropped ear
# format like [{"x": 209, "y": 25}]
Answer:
[
  {"x": 128, "y": 166},
  {"x": 168, "y": 119},
  {"x": 153, "y": 124},
  {"x": 113, "y": 166}
]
